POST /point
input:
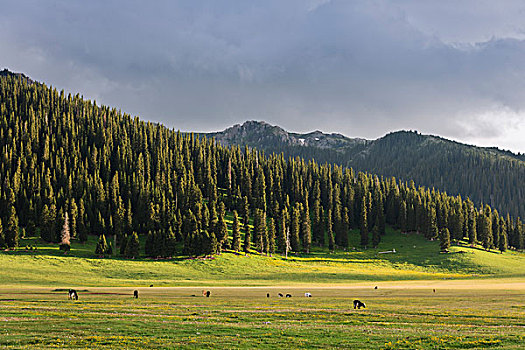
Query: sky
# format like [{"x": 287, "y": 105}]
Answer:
[{"x": 359, "y": 68}]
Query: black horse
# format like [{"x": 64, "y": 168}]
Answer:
[
  {"x": 72, "y": 294},
  {"x": 136, "y": 294},
  {"x": 359, "y": 304}
]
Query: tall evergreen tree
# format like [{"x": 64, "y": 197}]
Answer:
[
  {"x": 364, "y": 224},
  {"x": 376, "y": 236},
  {"x": 472, "y": 234},
  {"x": 236, "y": 232},
  {"x": 444, "y": 239},
  {"x": 330, "y": 231},
  {"x": 271, "y": 237},
  {"x": 306, "y": 232},
  {"x": 402, "y": 218},
  {"x": 102, "y": 246},
  {"x": 247, "y": 239},
  {"x": 294, "y": 229},
  {"x": 11, "y": 232},
  {"x": 132, "y": 246}
]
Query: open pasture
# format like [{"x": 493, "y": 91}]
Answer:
[{"x": 400, "y": 315}]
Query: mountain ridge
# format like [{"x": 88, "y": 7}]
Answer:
[{"x": 486, "y": 175}]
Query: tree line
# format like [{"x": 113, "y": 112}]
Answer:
[{"x": 65, "y": 159}]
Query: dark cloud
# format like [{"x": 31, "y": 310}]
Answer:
[{"x": 361, "y": 68}]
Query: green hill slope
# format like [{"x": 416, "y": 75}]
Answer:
[{"x": 415, "y": 259}]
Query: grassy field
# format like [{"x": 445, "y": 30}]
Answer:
[
  {"x": 415, "y": 259},
  {"x": 478, "y": 303},
  {"x": 409, "y": 316}
]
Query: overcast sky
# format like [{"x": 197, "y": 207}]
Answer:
[{"x": 360, "y": 68}]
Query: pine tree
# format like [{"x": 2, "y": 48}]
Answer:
[
  {"x": 281, "y": 231},
  {"x": 123, "y": 244},
  {"x": 330, "y": 231},
  {"x": 472, "y": 234},
  {"x": 102, "y": 246},
  {"x": 221, "y": 233},
  {"x": 11, "y": 232},
  {"x": 306, "y": 232},
  {"x": 317, "y": 223},
  {"x": 346, "y": 228},
  {"x": 503, "y": 236},
  {"x": 247, "y": 239},
  {"x": 376, "y": 236},
  {"x": 364, "y": 225},
  {"x": 81, "y": 224},
  {"x": 444, "y": 237},
  {"x": 431, "y": 226},
  {"x": 132, "y": 246},
  {"x": 486, "y": 232},
  {"x": 170, "y": 245},
  {"x": 271, "y": 237},
  {"x": 73, "y": 220},
  {"x": 236, "y": 233},
  {"x": 2, "y": 237},
  {"x": 294, "y": 229}
]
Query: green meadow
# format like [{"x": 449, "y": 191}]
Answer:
[{"x": 468, "y": 298}]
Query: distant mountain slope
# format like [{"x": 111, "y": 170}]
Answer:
[
  {"x": 487, "y": 175},
  {"x": 8, "y": 73}
]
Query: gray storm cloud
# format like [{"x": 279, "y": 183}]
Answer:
[{"x": 361, "y": 68}]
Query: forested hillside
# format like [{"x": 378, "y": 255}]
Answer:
[
  {"x": 486, "y": 175},
  {"x": 70, "y": 169}
]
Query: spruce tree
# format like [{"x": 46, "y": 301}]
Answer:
[
  {"x": 221, "y": 233},
  {"x": 486, "y": 232},
  {"x": 364, "y": 225},
  {"x": 170, "y": 245},
  {"x": 247, "y": 239},
  {"x": 11, "y": 232},
  {"x": 503, "y": 236},
  {"x": 236, "y": 233},
  {"x": 330, "y": 231},
  {"x": 472, "y": 234},
  {"x": 346, "y": 227},
  {"x": 123, "y": 244},
  {"x": 444, "y": 237},
  {"x": 402, "y": 219},
  {"x": 271, "y": 237},
  {"x": 294, "y": 229},
  {"x": 102, "y": 246},
  {"x": 2, "y": 237},
  {"x": 306, "y": 232},
  {"x": 281, "y": 231},
  {"x": 132, "y": 246},
  {"x": 376, "y": 236},
  {"x": 317, "y": 222}
]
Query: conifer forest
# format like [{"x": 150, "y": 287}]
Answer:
[{"x": 119, "y": 178}]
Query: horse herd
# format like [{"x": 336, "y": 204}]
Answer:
[{"x": 73, "y": 295}]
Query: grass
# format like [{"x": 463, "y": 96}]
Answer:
[
  {"x": 168, "y": 318},
  {"x": 478, "y": 303},
  {"x": 415, "y": 259}
]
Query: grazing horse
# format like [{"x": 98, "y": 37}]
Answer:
[
  {"x": 308, "y": 295},
  {"x": 375, "y": 287},
  {"x": 281, "y": 295},
  {"x": 208, "y": 293},
  {"x": 72, "y": 295},
  {"x": 288, "y": 295},
  {"x": 267, "y": 295},
  {"x": 136, "y": 294},
  {"x": 359, "y": 304}
]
